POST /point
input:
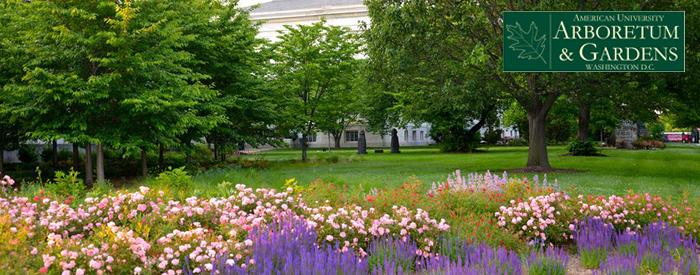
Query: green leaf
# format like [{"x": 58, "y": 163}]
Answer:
[{"x": 528, "y": 44}]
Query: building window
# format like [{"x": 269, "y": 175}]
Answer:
[
  {"x": 405, "y": 135},
  {"x": 311, "y": 138},
  {"x": 421, "y": 135},
  {"x": 414, "y": 135},
  {"x": 351, "y": 135}
]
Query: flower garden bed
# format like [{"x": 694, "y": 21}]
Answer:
[{"x": 475, "y": 224}]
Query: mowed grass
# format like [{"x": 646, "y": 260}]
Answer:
[{"x": 670, "y": 171}]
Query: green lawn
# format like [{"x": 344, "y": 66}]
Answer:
[{"x": 670, "y": 171}]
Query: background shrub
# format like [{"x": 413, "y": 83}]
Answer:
[
  {"x": 27, "y": 154},
  {"x": 585, "y": 148},
  {"x": 175, "y": 178},
  {"x": 65, "y": 185},
  {"x": 648, "y": 144}
]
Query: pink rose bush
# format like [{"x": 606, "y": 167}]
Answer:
[
  {"x": 145, "y": 232},
  {"x": 537, "y": 219}
]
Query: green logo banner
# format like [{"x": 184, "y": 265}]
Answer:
[{"x": 594, "y": 41}]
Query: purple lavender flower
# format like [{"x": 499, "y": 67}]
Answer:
[
  {"x": 657, "y": 248},
  {"x": 594, "y": 238},
  {"x": 392, "y": 256},
  {"x": 550, "y": 261},
  {"x": 289, "y": 247},
  {"x": 619, "y": 265},
  {"x": 459, "y": 257}
]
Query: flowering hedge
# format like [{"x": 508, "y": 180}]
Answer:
[
  {"x": 546, "y": 218},
  {"x": 145, "y": 232}
]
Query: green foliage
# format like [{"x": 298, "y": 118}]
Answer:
[
  {"x": 656, "y": 130},
  {"x": 259, "y": 162},
  {"x": 449, "y": 141},
  {"x": 65, "y": 185},
  {"x": 592, "y": 258},
  {"x": 174, "y": 178},
  {"x": 582, "y": 148}
]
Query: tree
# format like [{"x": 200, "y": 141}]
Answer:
[
  {"x": 311, "y": 63},
  {"x": 12, "y": 57},
  {"x": 61, "y": 93},
  {"x": 342, "y": 108},
  {"x": 228, "y": 51},
  {"x": 155, "y": 91},
  {"x": 423, "y": 64},
  {"x": 478, "y": 26},
  {"x": 684, "y": 87}
]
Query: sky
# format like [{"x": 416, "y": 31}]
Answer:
[{"x": 245, "y": 3}]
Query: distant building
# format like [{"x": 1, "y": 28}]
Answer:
[{"x": 277, "y": 13}]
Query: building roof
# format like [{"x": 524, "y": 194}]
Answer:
[{"x": 288, "y": 5}]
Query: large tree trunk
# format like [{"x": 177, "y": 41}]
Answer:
[
  {"x": 584, "y": 119},
  {"x": 100, "y": 163},
  {"x": 537, "y": 152},
  {"x": 88, "y": 165},
  {"x": 54, "y": 150},
  {"x": 144, "y": 162},
  {"x": 76, "y": 157},
  {"x": 336, "y": 139},
  {"x": 304, "y": 157}
]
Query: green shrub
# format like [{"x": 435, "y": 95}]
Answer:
[
  {"x": 175, "y": 178},
  {"x": 585, "y": 148},
  {"x": 66, "y": 184},
  {"x": 27, "y": 154},
  {"x": 100, "y": 189},
  {"x": 517, "y": 142},
  {"x": 492, "y": 136}
]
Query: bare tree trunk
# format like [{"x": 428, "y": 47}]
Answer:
[
  {"x": 76, "y": 157},
  {"x": 54, "y": 150},
  {"x": 100, "y": 163},
  {"x": 161, "y": 157},
  {"x": 222, "y": 153},
  {"x": 216, "y": 152},
  {"x": 336, "y": 139},
  {"x": 584, "y": 118},
  {"x": 537, "y": 151},
  {"x": 88, "y": 165},
  {"x": 144, "y": 162},
  {"x": 304, "y": 156}
]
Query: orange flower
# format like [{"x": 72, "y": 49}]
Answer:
[{"x": 370, "y": 198}]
